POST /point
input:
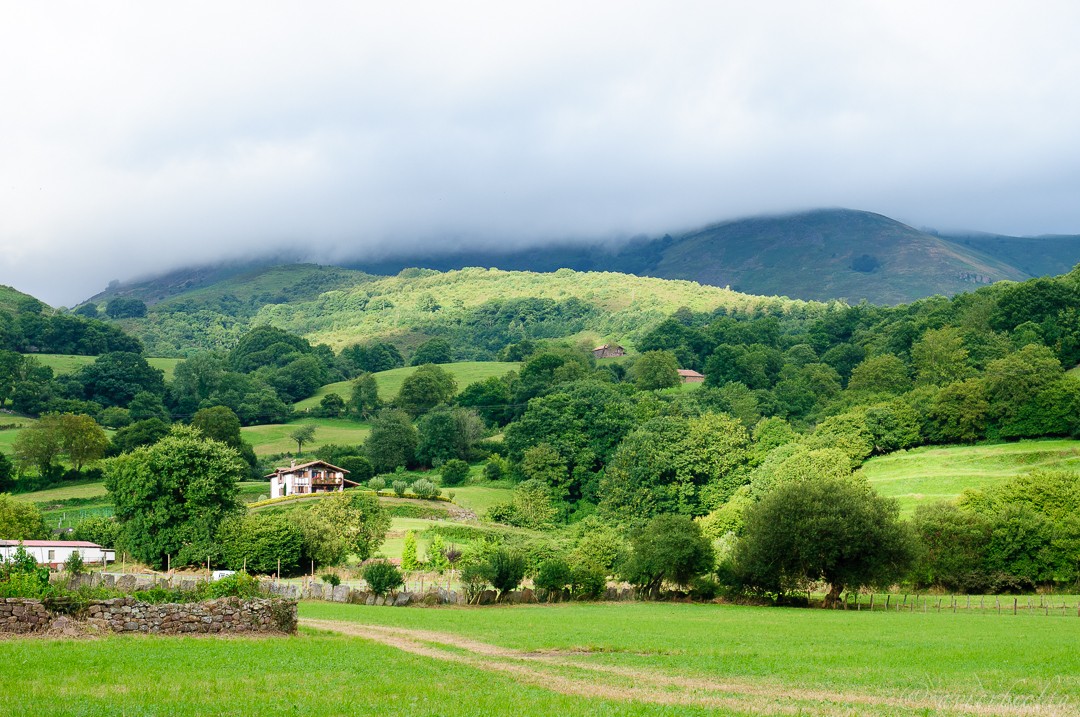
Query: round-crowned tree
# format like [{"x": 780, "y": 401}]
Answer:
[{"x": 836, "y": 530}]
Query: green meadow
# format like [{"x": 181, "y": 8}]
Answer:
[
  {"x": 573, "y": 659},
  {"x": 942, "y": 473},
  {"x": 66, "y": 363},
  {"x": 389, "y": 382},
  {"x": 273, "y": 438}
]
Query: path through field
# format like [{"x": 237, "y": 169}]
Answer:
[{"x": 571, "y": 672}]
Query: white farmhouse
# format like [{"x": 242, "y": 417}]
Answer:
[
  {"x": 313, "y": 477},
  {"x": 55, "y": 553}
]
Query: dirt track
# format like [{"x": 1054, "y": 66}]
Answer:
[{"x": 572, "y": 673}]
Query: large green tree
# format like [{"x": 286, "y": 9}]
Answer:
[
  {"x": 343, "y": 524},
  {"x": 670, "y": 549},
  {"x": 171, "y": 496},
  {"x": 20, "y": 520},
  {"x": 655, "y": 369},
  {"x": 836, "y": 530},
  {"x": 426, "y": 388},
  {"x": 392, "y": 441}
]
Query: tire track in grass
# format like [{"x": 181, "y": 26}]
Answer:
[{"x": 548, "y": 670}]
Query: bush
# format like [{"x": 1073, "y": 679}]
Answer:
[
  {"x": 495, "y": 468},
  {"x": 552, "y": 577},
  {"x": 382, "y": 577},
  {"x": 454, "y": 472},
  {"x": 505, "y": 570},
  {"x": 236, "y": 585},
  {"x": 588, "y": 581},
  {"x": 74, "y": 564},
  {"x": 400, "y": 487},
  {"x": 377, "y": 483},
  {"x": 670, "y": 549},
  {"x": 425, "y": 489},
  {"x": 330, "y": 579},
  {"x": 359, "y": 467},
  {"x": 474, "y": 580}
]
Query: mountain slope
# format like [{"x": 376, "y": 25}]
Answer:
[{"x": 830, "y": 254}]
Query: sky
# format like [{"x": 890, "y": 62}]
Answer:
[{"x": 138, "y": 137}]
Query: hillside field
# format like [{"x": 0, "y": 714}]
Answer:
[
  {"x": 942, "y": 473},
  {"x": 273, "y": 438},
  {"x": 570, "y": 658},
  {"x": 389, "y": 382},
  {"x": 66, "y": 363}
]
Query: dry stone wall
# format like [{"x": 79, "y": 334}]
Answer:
[{"x": 125, "y": 615}]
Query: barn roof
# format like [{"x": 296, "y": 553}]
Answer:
[
  {"x": 690, "y": 373},
  {"x": 309, "y": 464}
]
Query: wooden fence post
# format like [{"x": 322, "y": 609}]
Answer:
[
  {"x": 1014, "y": 606},
  {"x": 887, "y": 597}
]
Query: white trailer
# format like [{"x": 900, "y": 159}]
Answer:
[{"x": 55, "y": 553}]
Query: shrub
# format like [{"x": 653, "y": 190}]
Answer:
[
  {"x": 670, "y": 549},
  {"x": 359, "y": 467},
  {"x": 425, "y": 489},
  {"x": 236, "y": 585},
  {"x": 454, "y": 472},
  {"x": 377, "y": 483},
  {"x": 400, "y": 487},
  {"x": 587, "y": 581},
  {"x": 552, "y": 577},
  {"x": 382, "y": 577},
  {"x": 410, "y": 560},
  {"x": 436, "y": 555},
  {"x": 495, "y": 468},
  {"x": 505, "y": 570},
  {"x": 330, "y": 579},
  {"x": 474, "y": 580},
  {"x": 74, "y": 564}
]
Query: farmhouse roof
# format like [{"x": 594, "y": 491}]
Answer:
[
  {"x": 309, "y": 464},
  {"x": 690, "y": 373},
  {"x": 49, "y": 544},
  {"x": 607, "y": 346}
]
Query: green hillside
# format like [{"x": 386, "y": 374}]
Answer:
[
  {"x": 828, "y": 255},
  {"x": 13, "y": 300},
  {"x": 942, "y": 473},
  {"x": 273, "y": 438},
  {"x": 66, "y": 363},
  {"x": 417, "y": 304},
  {"x": 389, "y": 382}
]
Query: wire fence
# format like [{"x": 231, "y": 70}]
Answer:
[{"x": 1045, "y": 605}]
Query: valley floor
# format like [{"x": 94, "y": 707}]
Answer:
[{"x": 580, "y": 659}]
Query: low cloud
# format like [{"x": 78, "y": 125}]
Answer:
[{"x": 141, "y": 137}]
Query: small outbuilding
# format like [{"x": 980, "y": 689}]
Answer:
[
  {"x": 608, "y": 351},
  {"x": 313, "y": 477},
  {"x": 55, "y": 553},
  {"x": 690, "y": 376}
]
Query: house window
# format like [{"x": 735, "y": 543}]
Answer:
[{"x": 52, "y": 555}]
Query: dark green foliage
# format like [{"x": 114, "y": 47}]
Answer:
[
  {"x": 655, "y": 369},
  {"x": 392, "y": 441},
  {"x": 671, "y": 548},
  {"x": 552, "y": 577},
  {"x": 220, "y": 423},
  {"x": 504, "y": 569},
  {"x": 364, "y": 399},
  {"x": 454, "y": 472},
  {"x": 330, "y": 579},
  {"x": 259, "y": 540},
  {"x": 491, "y": 398},
  {"x": 424, "y": 389},
  {"x": 382, "y": 577},
  {"x": 836, "y": 530},
  {"x": 433, "y": 351},
  {"x": 103, "y": 531},
  {"x": 372, "y": 357},
  {"x": 953, "y": 546},
  {"x": 400, "y": 487},
  {"x": 447, "y": 433},
  {"x": 359, "y": 467},
  {"x": 114, "y": 379},
  {"x": 7, "y": 473},
  {"x": 587, "y": 581},
  {"x": 143, "y": 433},
  {"x": 173, "y": 495},
  {"x": 125, "y": 308},
  {"x": 267, "y": 346},
  {"x": 74, "y": 564},
  {"x": 331, "y": 406}
]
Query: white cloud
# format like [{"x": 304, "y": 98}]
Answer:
[{"x": 141, "y": 136}]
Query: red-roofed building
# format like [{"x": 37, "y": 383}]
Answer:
[
  {"x": 55, "y": 553},
  {"x": 689, "y": 376},
  {"x": 313, "y": 477}
]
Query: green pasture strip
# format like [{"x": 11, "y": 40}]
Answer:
[
  {"x": 90, "y": 489},
  {"x": 311, "y": 674},
  {"x": 8, "y": 435},
  {"x": 945, "y": 656},
  {"x": 273, "y": 438},
  {"x": 67, "y": 363},
  {"x": 942, "y": 473},
  {"x": 389, "y": 382},
  {"x": 478, "y": 498}
]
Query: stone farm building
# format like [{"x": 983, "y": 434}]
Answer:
[
  {"x": 55, "y": 553},
  {"x": 608, "y": 351},
  {"x": 313, "y": 477},
  {"x": 690, "y": 376}
]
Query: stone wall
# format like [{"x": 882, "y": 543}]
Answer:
[
  {"x": 229, "y": 615},
  {"x": 431, "y": 597}
]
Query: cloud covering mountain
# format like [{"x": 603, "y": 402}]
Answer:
[{"x": 140, "y": 137}]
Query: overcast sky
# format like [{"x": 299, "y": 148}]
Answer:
[{"x": 136, "y": 137}]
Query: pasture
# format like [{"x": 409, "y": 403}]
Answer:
[
  {"x": 570, "y": 658},
  {"x": 389, "y": 382},
  {"x": 942, "y": 473},
  {"x": 65, "y": 363},
  {"x": 273, "y": 438}
]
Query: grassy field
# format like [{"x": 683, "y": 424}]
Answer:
[
  {"x": 274, "y": 438},
  {"x": 389, "y": 382},
  {"x": 66, "y": 363},
  {"x": 7, "y": 435},
  {"x": 929, "y": 474},
  {"x": 478, "y": 498},
  {"x": 577, "y": 659}
]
